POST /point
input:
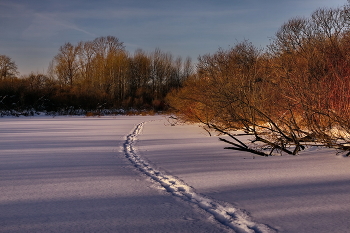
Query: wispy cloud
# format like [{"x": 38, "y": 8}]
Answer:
[
  {"x": 45, "y": 25},
  {"x": 13, "y": 10},
  {"x": 182, "y": 27}
]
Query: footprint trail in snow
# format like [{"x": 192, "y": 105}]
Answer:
[{"x": 226, "y": 214}]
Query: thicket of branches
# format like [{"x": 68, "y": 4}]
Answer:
[
  {"x": 293, "y": 94},
  {"x": 98, "y": 74}
]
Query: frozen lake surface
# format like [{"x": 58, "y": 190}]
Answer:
[{"x": 71, "y": 174}]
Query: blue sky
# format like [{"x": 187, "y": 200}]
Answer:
[{"x": 31, "y": 32}]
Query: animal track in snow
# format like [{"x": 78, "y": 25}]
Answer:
[{"x": 225, "y": 213}]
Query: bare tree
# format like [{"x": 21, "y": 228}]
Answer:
[
  {"x": 66, "y": 65},
  {"x": 295, "y": 95},
  {"x": 8, "y": 68}
]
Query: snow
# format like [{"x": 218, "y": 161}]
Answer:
[
  {"x": 225, "y": 214},
  {"x": 69, "y": 174},
  {"x": 140, "y": 174},
  {"x": 306, "y": 193}
]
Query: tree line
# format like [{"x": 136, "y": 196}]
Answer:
[
  {"x": 294, "y": 93},
  {"x": 291, "y": 94},
  {"x": 94, "y": 75}
]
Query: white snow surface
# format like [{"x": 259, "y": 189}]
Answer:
[
  {"x": 118, "y": 174},
  {"x": 223, "y": 213}
]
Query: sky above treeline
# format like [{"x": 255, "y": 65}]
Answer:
[{"x": 31, "y": 32}]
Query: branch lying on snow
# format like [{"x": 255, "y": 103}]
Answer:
[
  {"x": 274, "y": 146},
  {"x": 287, "y": 142},
  {"x": 238, "y": 144},
  {"x": 240, "y": 148}
]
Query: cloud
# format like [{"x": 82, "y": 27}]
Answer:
[
  {"x": 9, "y": 9},
  {"x": 45, "y": 25}
]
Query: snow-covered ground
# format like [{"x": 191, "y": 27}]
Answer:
[{"x": 77, "y": 174}]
